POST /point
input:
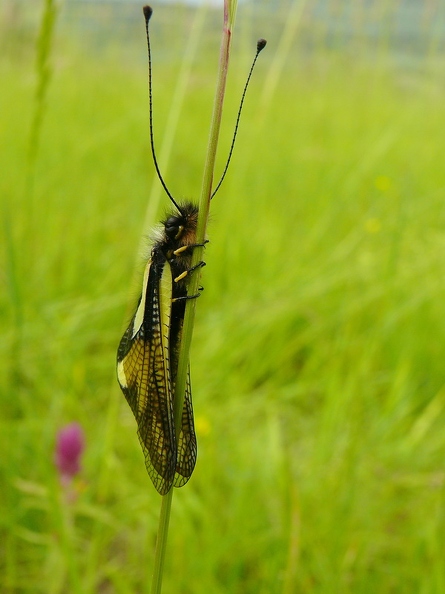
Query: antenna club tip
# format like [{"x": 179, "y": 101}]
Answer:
[
  {"x": 261, "y": 44},
  {"x": 148, "y": 11}
]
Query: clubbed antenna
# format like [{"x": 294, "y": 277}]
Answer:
[{"x": 148, "y": 11}]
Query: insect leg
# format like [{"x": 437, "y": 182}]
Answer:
[
  {"x": 184, "y": 297},
  {"x": 186, "y": 272},
  {"x": 184, "y": 248}
]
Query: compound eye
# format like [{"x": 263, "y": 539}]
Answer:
[{"x": 172, "y": 227}]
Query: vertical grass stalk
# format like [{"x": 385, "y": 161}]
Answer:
[
  {"x": 12, "y": 251},
  {"x": 204, "y": 205},
  {"x": 44, "y": 72}
]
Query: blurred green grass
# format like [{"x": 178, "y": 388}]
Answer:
[{"x": 317, "y": 360}]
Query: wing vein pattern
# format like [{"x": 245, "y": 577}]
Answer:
[{"x": 147, "y": 366}]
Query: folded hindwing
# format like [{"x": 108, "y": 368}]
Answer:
[{"x": 187, "y": 447}]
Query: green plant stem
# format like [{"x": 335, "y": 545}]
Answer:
[
  {"x": 204, "y": 205},
  {"x": 161, "y": 543},
  {"x": 63, "y": 513}
]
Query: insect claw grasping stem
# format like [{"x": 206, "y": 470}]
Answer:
[
  {"x": 184, "y": 248},
  {"x": 186, "y": 272}
]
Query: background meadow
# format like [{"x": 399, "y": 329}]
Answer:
[{"x": 319, "y": 346}]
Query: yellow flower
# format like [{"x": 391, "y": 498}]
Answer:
[
  {"x": 373, "y": 226},
  {"x": 202, "y": 426},
  {"x": 383, "y": 183}
]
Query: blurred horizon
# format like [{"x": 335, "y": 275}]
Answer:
[{"x": 409, "y": 29}]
